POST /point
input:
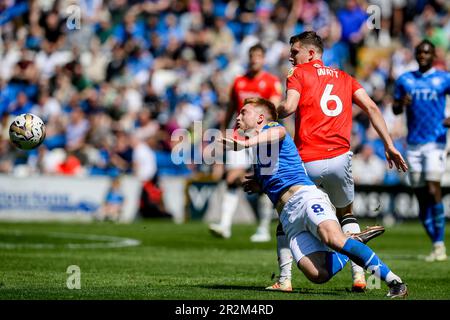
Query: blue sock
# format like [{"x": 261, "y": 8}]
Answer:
[
  {"x": 335, "y": 262},
  {"x": 438, "y": 222},
  {"x": 364, "y": 256},
  {"x": 426, "y": 217}
]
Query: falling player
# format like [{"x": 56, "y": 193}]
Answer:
[
  {"x": 254, "y": 83},
  {"x": 322, "y": 98},
  {"x": 306, "y": 214},
  {"x": 422, "y": 94}
]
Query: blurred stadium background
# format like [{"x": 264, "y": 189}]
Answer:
[{"x": 114, "y": 79}]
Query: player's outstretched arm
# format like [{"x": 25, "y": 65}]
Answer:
[
  {"x": 289, "y": 106},
  {"x": 393, "y": 156},
  {"x": 265, "y": 137}
]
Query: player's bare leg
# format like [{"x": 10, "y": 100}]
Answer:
[
  {"x": 349, "y": 224},
  {"x": 229, "y": 204}
]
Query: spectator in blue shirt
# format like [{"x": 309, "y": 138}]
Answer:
[
  {"x": 21, "y": 105},
  {"x": 352, "y": 19}
]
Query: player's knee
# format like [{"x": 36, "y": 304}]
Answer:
[
  {"x": 317, "y": 276},
  {"x": 330, "y": 240},
  {"x": 331, "y": 236},
  {"x": 322, "y": 277},
  {"x": 325, "y": 231}
]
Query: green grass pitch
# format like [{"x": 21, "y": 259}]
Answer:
[{"x": 186, "y": 262}]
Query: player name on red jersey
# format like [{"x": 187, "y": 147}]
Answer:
[{"x": 324, "y": 71}]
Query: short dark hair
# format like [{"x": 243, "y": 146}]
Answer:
[
  {"x": 256, "y": 47},
  {"x": 308, "y": 38},
  {"x": 425, "y": 42},
  {"x": 266, "y": 104}
]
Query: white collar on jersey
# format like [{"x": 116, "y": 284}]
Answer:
[{"x": 427, "y": 73}]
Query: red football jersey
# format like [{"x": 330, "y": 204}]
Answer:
[
  {"x": 323, "y": 119},
  {"x": 264, "y": 85}
]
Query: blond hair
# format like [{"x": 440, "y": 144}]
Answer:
[{"x": 266, "y": 105}]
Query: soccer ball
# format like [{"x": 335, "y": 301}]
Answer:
[{"x": 27, "y": 131}]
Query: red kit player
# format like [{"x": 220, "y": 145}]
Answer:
[
  {"x": 254, "y": 83},
  {"x": 322, "y": 99}
]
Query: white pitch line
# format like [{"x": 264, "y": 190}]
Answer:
[{"x": 108, "y": 241}]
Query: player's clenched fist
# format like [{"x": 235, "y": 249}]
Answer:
[{"x": 251, "y": 185}]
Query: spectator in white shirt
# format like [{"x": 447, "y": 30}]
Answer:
[{"x": 367, "y": 167}]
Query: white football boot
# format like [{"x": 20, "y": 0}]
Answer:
[
  {"x": 438, "y": 253},
  {"x": 284, "y": 286},
  {"x": 219, "y": 231}
]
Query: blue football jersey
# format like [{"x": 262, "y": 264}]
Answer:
[
  {"x": 279, "y": 166},
  {"x": 427, "y": 110}
]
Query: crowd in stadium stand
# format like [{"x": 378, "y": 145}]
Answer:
[{"x": 113, "y": 86}]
